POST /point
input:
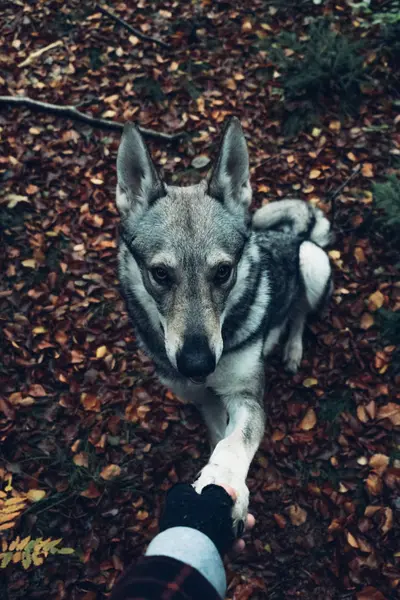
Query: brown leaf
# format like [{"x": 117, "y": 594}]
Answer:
[
  {"x": 309, "y": 420},
  {"x": 389, "y": 411},
  {"x": 81, "y": 459},
  {"x": 280, "y": 520},
  {"x": 370, "y": 593},
  {"x": 110, "y": 472},
  {"x": 375, "y": 301},
  {"x": 297, "y": 515},
  {"x": 351, "y": 540},
  {"x": 90, "y": 402},
  {"x": 379, "y": 463},
  {"x": 388, "y": 523},
  {"x": 367, "y": 320},
  {"x": 374, "y": 484}
]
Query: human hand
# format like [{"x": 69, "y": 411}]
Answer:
[{"x": 209, "y": 512}]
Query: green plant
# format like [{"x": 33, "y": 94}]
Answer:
[
  {"x": 387, "y": 200},
  {"x": 324, "y": 69}
]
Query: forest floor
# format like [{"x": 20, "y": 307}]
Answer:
[{"x": 90, "y": 441}]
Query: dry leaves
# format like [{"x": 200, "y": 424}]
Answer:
[{"x": 309, "y": 420}]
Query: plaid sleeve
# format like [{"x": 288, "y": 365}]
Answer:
[{"x": 163, "y": 578}]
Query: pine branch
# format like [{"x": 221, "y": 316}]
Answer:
[{"x": 71, "y": 112}]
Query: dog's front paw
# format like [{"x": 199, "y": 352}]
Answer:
[
  {"x": 292, "y": 356},
  {"x": 213, "y": 474}
]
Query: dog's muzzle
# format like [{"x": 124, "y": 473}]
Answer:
[{"x": 196, "y": 360}]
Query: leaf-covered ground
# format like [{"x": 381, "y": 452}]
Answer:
[{"x": 82, "y": 416}]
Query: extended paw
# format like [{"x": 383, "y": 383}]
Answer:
[
  {"x": 292, "y": 356},
  {"x": 213, "y": 474}
]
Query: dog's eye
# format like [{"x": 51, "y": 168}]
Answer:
[
  {"x": 223, "y": 273},
  {"x": 160, "y": 275}
]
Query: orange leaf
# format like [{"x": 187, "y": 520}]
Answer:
[
  {"x": 351, "y": 540},
  {"x": 90, "y": 402},
  {"x": 367, "y": 170},
  {"x": 379, "y": 463},
  {"x": 375, "y": 301},
  {"x": 314, "y": 174},
  {"x": 5, "y": 526},
  {"x": 110, "y": 472},
  {"x": 374, "y": 484},
  {"x": 309, "y": 420}
]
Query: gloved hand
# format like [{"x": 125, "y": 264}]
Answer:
[{"x": 208, "y": 512}]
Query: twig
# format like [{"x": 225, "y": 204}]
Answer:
[
  {"x": 71, "y": 112},
  {"x": 134, "y": 31},
  {"x": 38, "y": 53},
  {"x": 336, "y": 193}
]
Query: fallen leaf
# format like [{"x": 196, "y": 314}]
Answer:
[
  {"x": 310, "y": 382},
  {"x": 101, "y": 351},
  {"x": 30, "y": 263},
  {"x": 81, "y": 459},
  {"x": 351, "y": 540},
  {"x": 309, "y": 420},
  {"x": 90, "y": 402},
  {"x": 374, "y": 484},
  {"x": 389, "y": 411},
  {"x": 367, "y": 170},
  {"x": 367, "y": 320},
  {"x": 110, "y": 472},
  {"x": 314, "y": 174},
  {"x": 199, "y": 162},
  {"x": 15, "y": 199},
  {"x": 375, "y": 301},
  {"x": 35, "y": 495},
  {"x": 379, "y": 463},
  {"x": 370, "y": 593},
  {"x": 297, "y": 515}
]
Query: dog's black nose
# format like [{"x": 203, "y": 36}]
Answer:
[{"x": 195, "y": 359}]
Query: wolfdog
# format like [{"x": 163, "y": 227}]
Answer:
[{"x": 210, "y": 291}]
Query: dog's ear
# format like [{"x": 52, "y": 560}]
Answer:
[
  {"x": 229, "y": 182},
  {"x": 138, "y": 181}
]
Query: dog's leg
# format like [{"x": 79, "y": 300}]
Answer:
[
  {"x": 215, "y": 416},
  {"x": 315, "y": 271},
  {"x": 272, "y": 339},
  {"x": 293, "y": 351},
  {"x": 230, "y": 461}
]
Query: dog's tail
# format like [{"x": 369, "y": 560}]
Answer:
[{"x": 296, "y": 216}]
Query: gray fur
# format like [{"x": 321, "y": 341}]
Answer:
[{"x": 277, "y": 278}]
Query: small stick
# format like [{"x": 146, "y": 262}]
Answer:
[
  {"x": 132, "y": 30},
  {"x": 335, "y": 194},
  {"x": 38, "y": 53}
]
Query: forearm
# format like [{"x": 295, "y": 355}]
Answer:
[
  {"x": 181, "y": 559},
  {"x": 193, "y": 548}
]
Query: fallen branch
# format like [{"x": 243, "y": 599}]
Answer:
[
  {"x": 38, "y": 53},
  {"x": 332, "y": 197},
  {"x": 132, "y": 30},
  {"x": 71, "y": 112}
]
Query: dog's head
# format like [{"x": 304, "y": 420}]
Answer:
[{"x": 187, "y": 243}]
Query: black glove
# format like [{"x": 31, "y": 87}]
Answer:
[{"x": 209, "y": 512}]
